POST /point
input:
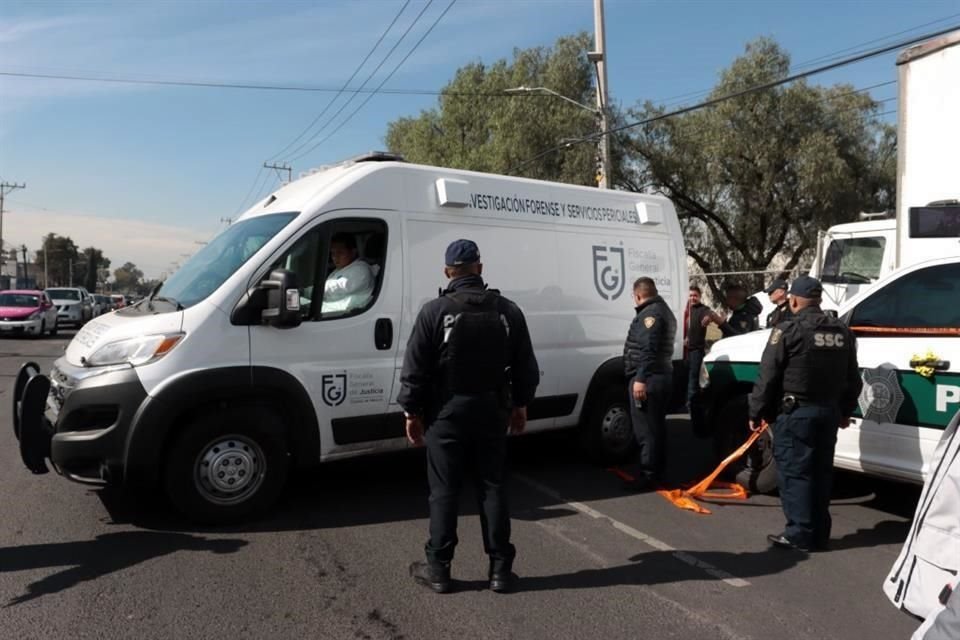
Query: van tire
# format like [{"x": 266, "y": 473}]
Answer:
[
  {"x": 248, "y": 443},
  {"x": 757, "y": 469},
  {"x": 607, "y": 435}
]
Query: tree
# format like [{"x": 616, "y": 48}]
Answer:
[
  {"x": 128, "y": 278},
  {"x": 478, "y": 127},
  {"x": 91, "y": 263},
  {"x": 755, "y": 178},
  {"x": 61, "y": 255}
]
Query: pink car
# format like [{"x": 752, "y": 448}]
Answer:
[{"x": 27, "y": 312}]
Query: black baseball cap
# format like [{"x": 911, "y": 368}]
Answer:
[
  {"x": 806, "y": 287},
  {"x": 778, "y": 283},
  {"x": 461, "y": 252}
]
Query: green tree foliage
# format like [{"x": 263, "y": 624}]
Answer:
[
  {"x": 89, "y": 272},
  {"x": 476, "y": 127},
  {"x": 128, "y": 278},
  {"x": 756, "y": 177},
  {"x": 59, "y": 254}
]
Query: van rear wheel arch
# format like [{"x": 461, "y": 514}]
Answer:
[{"x": 605, "y": 429}]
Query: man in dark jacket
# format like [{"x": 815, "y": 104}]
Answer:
[
  {"x": 809, "y": 382},
  {"x": 648, "y": 361},
  {"x": 745, "y": 312},
  {"x": 777, "y": 292},
  {"x": 469, "y": 371},
  {"x": 694, "y": 342}
]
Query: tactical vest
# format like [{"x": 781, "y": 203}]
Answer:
[
  {"x": 817, "y": 373},
  {"x": 476, "y": 337}
]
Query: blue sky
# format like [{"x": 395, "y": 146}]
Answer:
[{"x": 146, "y": 171}]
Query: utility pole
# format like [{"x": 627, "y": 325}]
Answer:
[
  {"x": 599, "y": 58},
  {"x": 5, "y": 188},
  {"x": 46, "y": 273},
  {"x": 70, "y": 269},
  {"x": 278, "y": 167},
  {"x": 26, "y": 271}
]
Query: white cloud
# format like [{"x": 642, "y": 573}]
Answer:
[{"x": 152, "y": 247}]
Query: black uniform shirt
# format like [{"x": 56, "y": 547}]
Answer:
[
  {"x": 781, "y": 314},
  {"x": 812, "y": 357},
  {"x": 744, "y": 319},
  {"x": 649, "y": 345},
  {"x": 421, "y": 363}
]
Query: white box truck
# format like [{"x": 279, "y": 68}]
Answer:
[
  {"x": 908, "y": 323},
  {"x": 237, "y": 368}
]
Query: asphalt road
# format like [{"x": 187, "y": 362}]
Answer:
[{"x": 331, "y": 561}]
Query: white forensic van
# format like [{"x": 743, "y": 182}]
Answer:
[{"x": 232, "y": 371}]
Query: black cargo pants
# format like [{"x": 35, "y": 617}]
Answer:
[
  {"x": 468, "y": 442},
  {"x": 804, "y": 442},
  {"x": 650, "y": 425}
]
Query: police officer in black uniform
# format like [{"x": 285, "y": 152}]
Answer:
[
  {"x": 809, "y": 382},
  {"x": 647, "y": 359},
  {"x": 777, "y": 292},
  {"x": 469, "y": 371},
  {"x": 744, "y": 312}
]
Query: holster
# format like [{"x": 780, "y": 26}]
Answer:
[{"x": 788, "y": 404}]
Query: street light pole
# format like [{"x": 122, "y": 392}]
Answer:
[{"x": 599, "y": 58}]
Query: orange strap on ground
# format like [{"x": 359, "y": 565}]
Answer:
[{"x": 708, "y": 488}]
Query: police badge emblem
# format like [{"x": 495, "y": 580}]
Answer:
[
  {"x": 649, "y": 322},
  {"x": 881, "y": 397},
  {"x": 775, "y": 336}
]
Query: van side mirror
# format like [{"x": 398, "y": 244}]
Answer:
[{"x": 283, "y": 299}]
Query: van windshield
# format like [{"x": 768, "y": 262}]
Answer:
[
  {"x": 853, "y": 260},
  {"x": 210, "y": 267}
]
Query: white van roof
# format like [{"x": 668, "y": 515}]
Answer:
[
  {"x": 390, "y": 184},
  {"x": 887, "y": 224}
]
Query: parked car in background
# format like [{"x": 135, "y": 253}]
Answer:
[
  {"x": 96, "y": 306},
  {"x": 27, "y": 311},
  {"x": 119, "y": 300},
  {"x": 74, "y": 305},
  {"x": 106, "y": 303}
]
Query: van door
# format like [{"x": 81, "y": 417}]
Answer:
[
  {"x": 344, "y": 352},
  {"x": 908, "y": 322}
]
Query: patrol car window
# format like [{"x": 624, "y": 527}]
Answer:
[
  {"x": 853, "y": 261},
  {"x": 210, "y": 267},
  {"x": 925, "y": 299}
]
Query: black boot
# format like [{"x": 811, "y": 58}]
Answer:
[
  {"x": 435, "y": 577},
  {"x": 502, "y": 578}
]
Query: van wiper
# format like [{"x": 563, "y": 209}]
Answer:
[
  {"x": 152, "y": 294},
  {"x": 172, "y": 301}
]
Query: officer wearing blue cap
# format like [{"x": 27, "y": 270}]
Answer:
[
  {"x": 777, "y": 292},
  {"x": 469, "y": 373},
  {"x": 807, "y": 389}
]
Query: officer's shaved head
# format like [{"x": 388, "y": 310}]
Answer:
[{"x": 645, "y": 287}]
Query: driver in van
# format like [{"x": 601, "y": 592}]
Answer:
[{"x": 350, "y": 285}]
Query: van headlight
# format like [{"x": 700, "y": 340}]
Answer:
[
  {"x": 704, "y": 376},
  {"x": 134, "y": 351}
]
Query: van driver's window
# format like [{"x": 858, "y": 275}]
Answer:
[
  {"x": 303, "y": 259},
  {"x": 923, "y": 299},
  {"x": 354, "y": 268}
]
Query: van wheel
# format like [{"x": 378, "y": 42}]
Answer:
[
  {"x": 756, "y": 470},
  {"x": 227, "y": 465},
  {"x": 608, "y": 433}
]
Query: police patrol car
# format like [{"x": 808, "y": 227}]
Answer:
[
  {"x": 908, "y": 345},
  {"x": 238, "y": 369}
]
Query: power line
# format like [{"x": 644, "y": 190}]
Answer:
[
  {"x": 827, "y": 57},
  {"x": 739, "y": 94},
  {"x": 385, "y": 80},
  {"x": 347, "y": 83},
  {"x": 362, "y": 86}
]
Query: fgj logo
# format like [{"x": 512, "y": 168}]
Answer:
[
  {"x": 333, "y": 388},
  {"x": 609, "y": 273}
]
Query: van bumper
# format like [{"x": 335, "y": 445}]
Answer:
[{"x": 87, "y": 418}]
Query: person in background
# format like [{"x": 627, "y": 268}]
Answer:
[
  {"x": 694, "y": 342},
  {"x": 777, "y": 292},
  {"x": 744, "y": 312}
]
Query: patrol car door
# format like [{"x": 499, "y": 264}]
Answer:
[
  {"x": 908, "y": 335},
  {"x": 344, "y": 352}
]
